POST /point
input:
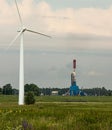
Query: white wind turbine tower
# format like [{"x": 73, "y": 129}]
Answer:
[{"x": 21, "y": 71}]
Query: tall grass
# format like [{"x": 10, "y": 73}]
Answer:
[
  {"x": 51, "y": 116},
  {"x": 56, "y": 115}
]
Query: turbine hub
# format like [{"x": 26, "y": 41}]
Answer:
[{"x": 23, "y": 29}]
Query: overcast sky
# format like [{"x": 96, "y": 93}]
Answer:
[{"x": 80, "y": 29}]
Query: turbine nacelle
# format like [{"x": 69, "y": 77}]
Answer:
[{"x": 23, "y": 29}]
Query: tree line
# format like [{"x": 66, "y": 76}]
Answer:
[
  {"x": 9, "y": 90},
  {"x": 98, "y": 91}
]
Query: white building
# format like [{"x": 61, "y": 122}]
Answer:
[{"x": 55, "y": 93}]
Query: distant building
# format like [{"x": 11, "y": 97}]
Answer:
[
  {"x": 41, "y": 94},
  {"x": 55, "y": 93}
]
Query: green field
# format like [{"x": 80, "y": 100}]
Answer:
[{"x": 57, "y": 113}]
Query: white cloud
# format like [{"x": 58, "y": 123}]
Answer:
[
  {"x": 61, "y": 23},
  {"x": 94, "y": 73}
]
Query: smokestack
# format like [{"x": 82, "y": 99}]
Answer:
[
  {"x": 74, "y": 64},
  {"x": 73, "y": 74}
]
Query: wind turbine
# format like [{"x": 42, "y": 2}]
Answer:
[{"x": 21, "y": 69}]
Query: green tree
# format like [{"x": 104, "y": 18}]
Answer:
[
  {"x": 104, "y": 91},
  {"x": 29, "y": 98},
  {"x": 15, "y": 91},
  {"x": 7, "y": 89},
  {"x": 32, "y": 88},
  {"x": 0, "y": 90}
]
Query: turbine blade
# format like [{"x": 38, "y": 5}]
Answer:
[
  {"x": 38, "y": 33},
  {"x": 14, "y": 39},
  {"x": 18, "y": 13}
]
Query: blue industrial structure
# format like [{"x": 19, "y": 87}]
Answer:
[{"x": 74, "y": 89}]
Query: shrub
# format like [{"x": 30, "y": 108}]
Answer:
[{"x": 29, "y": 98}]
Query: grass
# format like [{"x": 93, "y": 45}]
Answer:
[
  {"x": 74, "y": 99},
  {"x": 14, "y": 99},
  {"x": 57, "y": 113}
]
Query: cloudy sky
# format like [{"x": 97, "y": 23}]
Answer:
[{"x": 80, "y": 29}]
